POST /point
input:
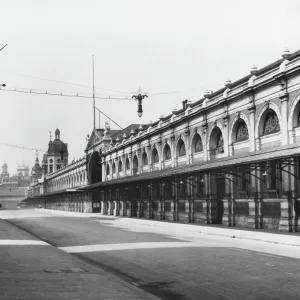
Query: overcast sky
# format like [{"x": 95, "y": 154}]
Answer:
[{"x": 160, "y": 45}]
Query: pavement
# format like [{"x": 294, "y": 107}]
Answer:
[{"x": 91, "y": 256}]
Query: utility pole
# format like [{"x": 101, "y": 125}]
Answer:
[
  {"x": 3, "y": 85},
  {"x": 94, "y": 112},
  {"x": 3, "y": 47}
]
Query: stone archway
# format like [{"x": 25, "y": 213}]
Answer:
[{"x": 95, "y": 168}]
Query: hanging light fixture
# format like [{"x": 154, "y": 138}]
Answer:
[
  {"x": 265, "y": 173},
  {"x": 139, "y": 98}
]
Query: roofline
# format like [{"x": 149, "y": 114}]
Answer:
[{"x": 257, "y": 156}]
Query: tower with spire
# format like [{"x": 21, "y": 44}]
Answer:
[
  {"x": 4, "y": 176},
  {"x": 36, "y": 171},
  {"x": 57, "y": 155}
]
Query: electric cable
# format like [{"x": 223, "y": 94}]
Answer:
[
  {"x": 60, "y": 94},
  {"x": 63, "y": 82}
]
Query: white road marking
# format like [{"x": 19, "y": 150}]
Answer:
[
  {"x": 130, "y": 246},
  {"x": 22, "y": 243},
  {"x": 238, "y": 249},
  {"x": 269, "y": 255}
]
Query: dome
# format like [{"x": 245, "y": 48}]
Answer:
[
  {"x": 57, "y": 132},
  {"x": 59, "y": 146}
]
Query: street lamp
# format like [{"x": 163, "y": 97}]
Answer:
[{"x": 139, "y": 98}]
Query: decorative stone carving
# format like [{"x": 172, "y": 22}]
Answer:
[
  {"x": 242, "y": 132},
  {"x": 225, "y": 118},
  {"x": 198, "y": 146},
  {"x": 271, "y": 123}
]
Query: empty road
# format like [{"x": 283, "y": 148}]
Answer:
[{"x": 167, "y": 260}]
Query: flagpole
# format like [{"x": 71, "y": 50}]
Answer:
[{"x": 94, "y": 112}]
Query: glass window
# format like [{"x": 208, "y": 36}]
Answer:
[
  {"x": 120, "y": 166},
  {"x": 155, "y": 156},
  {"x": 127, "y": 164},
  {"x": 167, "y": 152},
  {"x": 145, "y": 159},
  {"x": 220, "y": 143},
  {"x": 181, "y": 148}
]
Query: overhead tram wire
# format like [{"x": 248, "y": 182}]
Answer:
[
  {"x": 65, "y": 82},
  {"x": 63, "y": 94},
  {"x": 22, "y": 147},
  {"x": 55, "y": 93}
]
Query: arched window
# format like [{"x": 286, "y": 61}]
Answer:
[
  {"x": 271, "y": 123},
  {"x": 181, "y": 148},
  {"x": 107, "y": 170},
  {"x": 197, "y": 144},
  {"x": 135, "y": 164},
  {"x": 242, "y": 131},
  {"x": 145, "y": 159},
  {"x": 167, "y": 152},
  {"x": 220, "y": 143},
  {"x": 114, "y": 168},
  {"x": 120, "y": 166},
  {"x": 155, "y": 158},
  {"x": 127, "y": 164}
]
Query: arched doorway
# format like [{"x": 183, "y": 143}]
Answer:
[{"x": 95, "y": 168}]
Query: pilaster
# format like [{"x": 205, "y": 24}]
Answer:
[
  {"x": 284, "y": 118},
  {"x": 251, "y": 128}
]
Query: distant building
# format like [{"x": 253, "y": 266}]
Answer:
[
  {"x": 23, "y": 170},
  {"x": 57, "y": 155},
  {"x": 4, "y": 177},
  {"x": 13, "y": 188}
]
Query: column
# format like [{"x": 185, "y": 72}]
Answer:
[
  {"x": 227, "y": 215},
  {"x": 191, "y": 184},
  {"x": 252, "y": 202},
  {"x": 287, "y": 213}
]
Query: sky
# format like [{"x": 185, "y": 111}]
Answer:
[{"x": 174, "y": 50}]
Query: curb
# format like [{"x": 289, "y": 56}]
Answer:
[{"x": 237, "y": 234}]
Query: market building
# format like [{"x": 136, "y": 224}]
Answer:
[{"x": 231, "y": 158}]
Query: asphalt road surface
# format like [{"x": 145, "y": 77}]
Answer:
[{"x": 167, "y": 262}]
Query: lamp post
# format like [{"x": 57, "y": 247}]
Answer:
[{"x": 139, "y": 98}]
